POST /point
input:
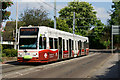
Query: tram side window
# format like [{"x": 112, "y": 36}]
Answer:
[
  {"x": 44, "y": 41},
  {"x": 63, "y": 45},
  {"x": 67, "y": 45},
  {"x": 40, "y": 43},
  {"x": 72, "y": 45},
  {"x": 56, "y": 43},
  {"x": 51, "y": 43},
  {"x": 75, "y": 46},
  {"x": 78, "y": 45},
  {"x": 85, "y": 44}
]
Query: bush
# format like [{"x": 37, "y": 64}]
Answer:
[
  {"x": 3, "y": 55},
  {"x": 10, "y": 52}
]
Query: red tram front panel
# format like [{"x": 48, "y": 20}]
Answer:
[
  {"x": 44, "y": 55},
  {"x": 28, "y": 56}
]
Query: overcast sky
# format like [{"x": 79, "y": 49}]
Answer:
[{"x": 101, "y": 6}]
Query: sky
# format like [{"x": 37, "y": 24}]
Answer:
[{"x": 102, "y": 7}]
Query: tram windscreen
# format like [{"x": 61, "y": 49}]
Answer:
[
  {"x": 28, "y": 43},
  {"x": 28, "y": 38}
]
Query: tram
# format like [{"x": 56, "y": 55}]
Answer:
[{"x": 43, "y": 44}]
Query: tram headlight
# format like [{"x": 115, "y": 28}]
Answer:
[
  {"x": 34, "y": 54},
  {"x": 45, "y": 55}
]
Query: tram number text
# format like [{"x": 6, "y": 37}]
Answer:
[{"x": 27, "y": 53}]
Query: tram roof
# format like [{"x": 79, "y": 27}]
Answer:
[{"x": 63, "y": 32}]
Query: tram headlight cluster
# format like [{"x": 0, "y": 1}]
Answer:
[
  {"x": 34, "y": 54},
  {"x": 19, "y": 54}
]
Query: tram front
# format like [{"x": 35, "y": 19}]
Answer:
[{"x": 28, "y": 44}]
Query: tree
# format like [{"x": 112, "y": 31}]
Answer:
[
  {"x": 85, "y": 14},
  {"x": 96, "y": 38},
  {"x": 10, "y": 29},
  {"x": 115, "y": 20},
  {"x": 5, "y": 13},
  {"x": 61, "y": 25},
  {"x": 115, "y": 16},
  {"x": 35, "y": 17}
]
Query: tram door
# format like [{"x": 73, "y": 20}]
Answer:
[
  {"x": 79, "y": 46},
  {"x": 60, "y": 47},
  {"x": 85, "y": 46},
  {"x": 70, "y": 48}
]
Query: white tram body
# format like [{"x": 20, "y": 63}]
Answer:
[{"x": 44, "y": 44}]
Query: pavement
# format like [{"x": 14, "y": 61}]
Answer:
[{"x": 110, "y": 69}]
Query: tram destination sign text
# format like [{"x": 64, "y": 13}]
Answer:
[{"x": 29, "y": 31}]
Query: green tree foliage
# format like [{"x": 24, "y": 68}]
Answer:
[
  {"x": 35, "y": 17},
  {"x": 10, "y": 28},
  {"x": 95, "y": 38},
  {"x": 115, "y": 16},
  {"x": 5, "y": 13},
  {"x": 85, "y": 14},
  {"x": 61, "y": 25},
  {"x": 115, "y": 20}
]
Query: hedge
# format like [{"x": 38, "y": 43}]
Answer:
[{"x": 9, "y": 53}]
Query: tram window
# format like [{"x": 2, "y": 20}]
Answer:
[
  {"x": 85, "y": 44},
  {"x": 56, "y": 43},
  {"x": 40, "y": 43},
  {"x": 78, "y": 45},
  {"x": 44, "y": 41},
  {"x": 67, "y": 45},
  {"x": 63, "y": 45},
  {"x": 72, "y": 45},
  {"x": 51, "y": 43},
  {"x": 75, "y": 46}
]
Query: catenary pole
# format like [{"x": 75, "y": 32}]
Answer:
[
  {"x": 16, "y": 25},
  {"x": 74, "y": 28},
  {"x": 54, "y": 14}
]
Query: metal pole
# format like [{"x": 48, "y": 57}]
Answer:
[
  {"x": 74, "y": 23},
  {"x": 1, "y": 24},
  {"x": 16, "y": 25},
  {"x": 1, "y": 41},
  {"x": 112, "y": 39},
  {"x": 55, "y": 14},
  {"x": 74, "y": 29}
]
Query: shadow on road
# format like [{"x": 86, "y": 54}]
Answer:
[
  {"x": 111, "y": 73},
  {"x": 36, "y": 64}
]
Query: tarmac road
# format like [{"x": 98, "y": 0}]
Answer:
[{"x": 73, "y": 68}]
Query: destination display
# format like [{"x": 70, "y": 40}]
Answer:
[{"x": 29, "y": 31}]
